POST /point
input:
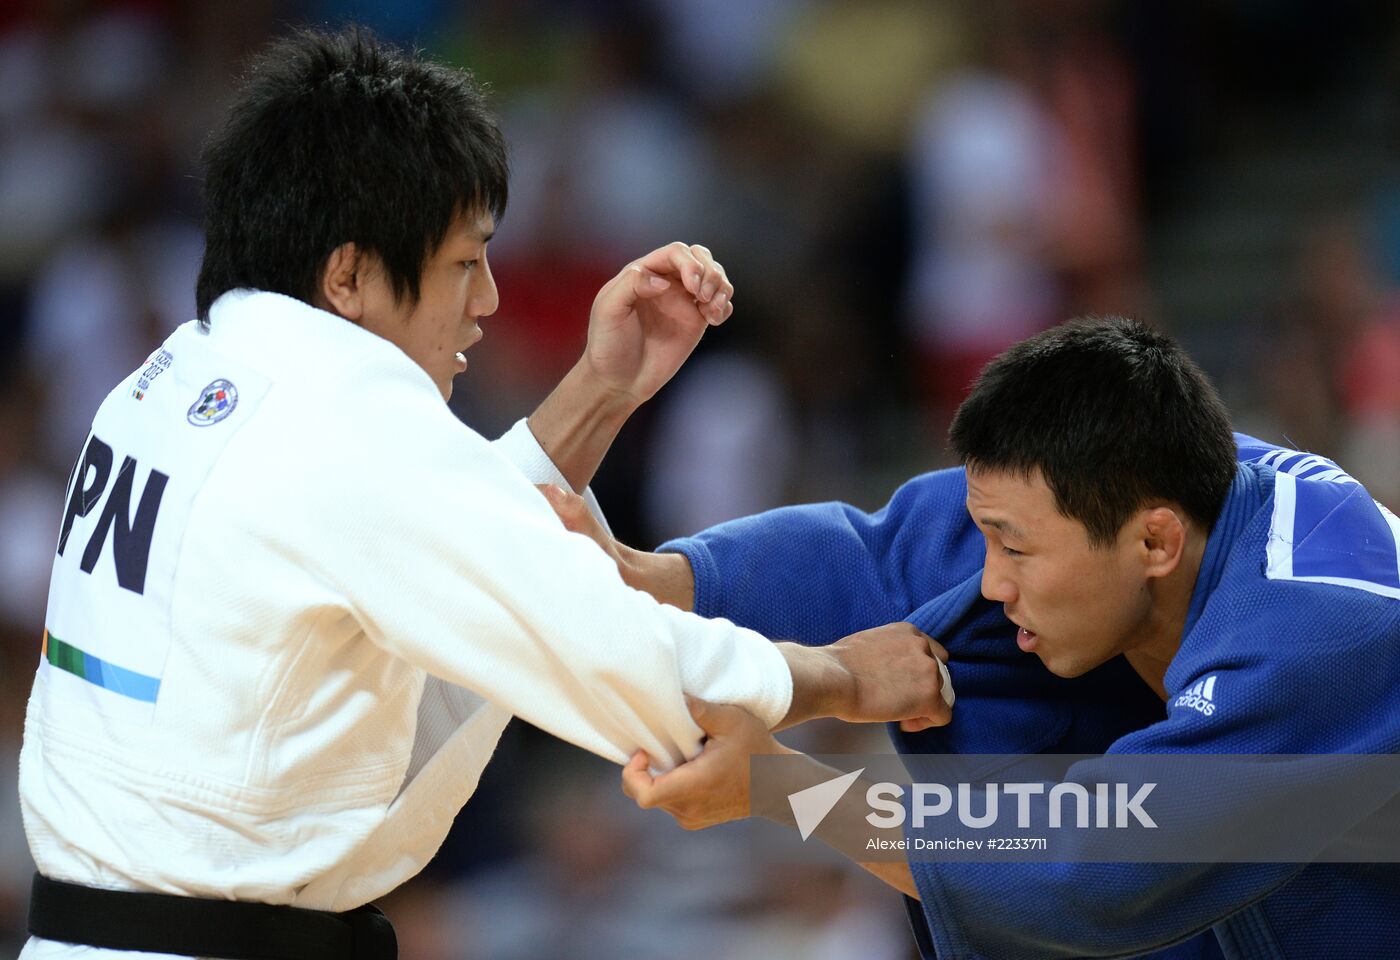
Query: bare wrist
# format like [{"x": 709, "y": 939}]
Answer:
[
  {"x": 608, "y": 399},
  {"x": 635, "y": 568},
  {"x": 666, "y": 576},
  {"x": 822, "y": 686},
  {"x": 577, "y": 423}
]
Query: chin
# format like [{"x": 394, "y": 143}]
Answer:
[{"x": 1061, "y": 667}]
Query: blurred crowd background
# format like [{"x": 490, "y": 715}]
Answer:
[{"x": 898, "y": 189}]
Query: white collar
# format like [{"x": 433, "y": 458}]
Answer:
[{"x": 287, "y": 337}]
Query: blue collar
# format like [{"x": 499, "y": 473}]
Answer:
[
  {"x": 937, "y": 616},
  {"x": 1241, "y": 505}
]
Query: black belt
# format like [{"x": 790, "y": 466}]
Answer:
[{"x": 194, "y": 927}]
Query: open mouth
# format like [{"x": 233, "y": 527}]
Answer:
[
  {"x": 461, "y": 355},
  {"x": 1025, "y": 639}
]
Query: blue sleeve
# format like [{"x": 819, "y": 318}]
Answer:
[
  {"x": 818, "y": 572},
  {"x": 1028, "y": 910}
]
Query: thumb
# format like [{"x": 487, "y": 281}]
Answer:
[
  {"x": 620, "y": 294},
  {"x": 713, "y": 718},
  {"x": 646, "y": 284}
]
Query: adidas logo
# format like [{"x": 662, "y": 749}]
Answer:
[{"x": 1200, "y": 697}]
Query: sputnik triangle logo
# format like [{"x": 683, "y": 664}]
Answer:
[{"x": 810, "y": 806}]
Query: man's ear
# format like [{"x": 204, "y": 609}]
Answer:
[
  {"x": 340, "y": 290},
  {"x": 1163, "y": 540}
]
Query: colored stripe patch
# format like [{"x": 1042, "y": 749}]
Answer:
[{"x": 99, "y": 672}]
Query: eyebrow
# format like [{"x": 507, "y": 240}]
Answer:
[
  {"x": 472, "y": 231},
  {"x": 1005, "y": 527}
]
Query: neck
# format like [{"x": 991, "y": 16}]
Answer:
[{"x": 1160, "y": 636}]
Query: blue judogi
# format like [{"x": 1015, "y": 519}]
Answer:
[{"x": 1293, "y": 634}]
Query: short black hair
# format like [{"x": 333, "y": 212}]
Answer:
[
  {"x": 1112, "y": 414},
  {"x": 339, "y": 138}
]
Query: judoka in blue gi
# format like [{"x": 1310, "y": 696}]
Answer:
[{"x": 1111, "y": 571}]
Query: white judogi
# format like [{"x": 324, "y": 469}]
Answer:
[{"x": 295, "y": 605}]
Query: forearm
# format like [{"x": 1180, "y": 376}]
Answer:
[
  {"x": 578, "y": 422},
  {"x": 821, "y": 686},
  {"x": 895, "y": 874},
  {"x": 846, "y": 820},
  {"x": 666, "y": 576}
]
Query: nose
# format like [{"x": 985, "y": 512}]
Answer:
[
  {"x": 996, "y": 584},
  {"x": 486, "y": 298}
]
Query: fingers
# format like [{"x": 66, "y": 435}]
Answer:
[
  {"x": 715, "y": 288},
  {"x": 701, "y": 275},
  {"x": 637, "y": 781},
  {"x": 899, "y": 673},
  {"x": 645, "y": 283},
  {"x": 939, "y": 703},
  {"x": 573, "y": 513},
  {"x": 678, "y": 260},
  {"x": 570, "y": 508},
  {"x": 934, "y": 646},
  {"x": 648, "y": 791},
  {"x": 943, "y": 714},
  {"x": 680, "y": 791},
  {"x": 710, "y": 788},
  {"x": 620, "y": 294},
  {"x": 716, "y": 719},
  {"x": 945, "y": 688}
]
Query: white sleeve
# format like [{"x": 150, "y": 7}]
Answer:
[
  {"x": 444, "y": 705},
  {"x": 519, "y": 446},
  {"x": 457, "y": 564}
]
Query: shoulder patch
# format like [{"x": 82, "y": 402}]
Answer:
[
  {"x": 1327, "y": 529},
  {"x": 215, "y": 402}
]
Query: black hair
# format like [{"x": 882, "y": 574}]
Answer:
[
  {"x": 1111, "y": 413},
  {"x": 339, "y": 138}
]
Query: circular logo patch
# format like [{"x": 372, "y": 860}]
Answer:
[{"x": 215, "y": 402}]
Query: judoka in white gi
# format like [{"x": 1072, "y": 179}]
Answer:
[{"x": 295, "y": 600}]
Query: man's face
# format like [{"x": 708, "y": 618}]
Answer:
[
  {"x": 456, "y": 291},
  {"x": 1077, "y": 605}
]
